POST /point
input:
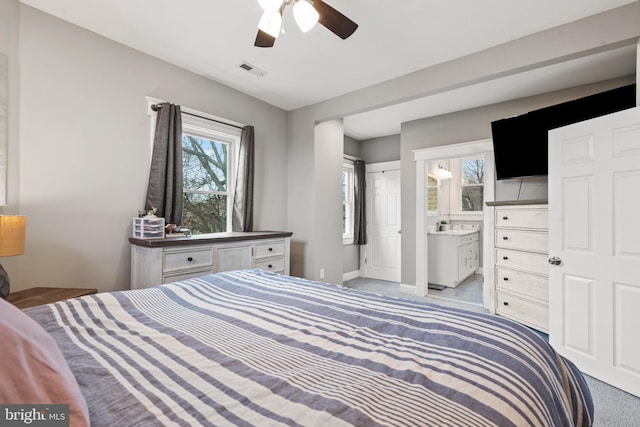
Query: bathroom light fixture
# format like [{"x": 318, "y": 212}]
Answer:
[{"x": 442, "y": 173}]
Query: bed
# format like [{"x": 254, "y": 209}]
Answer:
[{"x": 251, "y": 347}]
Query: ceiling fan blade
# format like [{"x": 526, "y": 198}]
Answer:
[
  {"x": 264, "y": 40},
  {"x": 335, "y": 21}
]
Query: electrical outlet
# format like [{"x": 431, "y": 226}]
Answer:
[{"x": 322, "y": 273}]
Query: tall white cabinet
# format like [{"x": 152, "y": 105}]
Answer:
[
  {"x": 158, "y": 261},
  {"x": 519, "y": 249}
]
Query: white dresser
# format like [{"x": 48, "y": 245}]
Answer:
[
  {"x": 158, "y": 261},
  {"x": 453, "y": 256},
  {"x": 520, "y": 250}
]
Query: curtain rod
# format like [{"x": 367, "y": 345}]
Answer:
[
  {"x": 156, "y": 107},
  {"x": 349, "y": 157}
]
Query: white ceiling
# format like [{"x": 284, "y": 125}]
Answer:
[{"x": 213, "y": 37}]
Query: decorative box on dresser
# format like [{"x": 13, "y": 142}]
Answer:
[
  {"x": 520, "y": 250},
  {"x": 158, "y": 261}
]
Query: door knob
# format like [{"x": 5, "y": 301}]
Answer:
[{"x": 555, "y": 260}]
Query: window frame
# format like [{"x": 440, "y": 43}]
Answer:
[
  {"x": 456, "y": 184},
  {"x": 349, "y": 204}
]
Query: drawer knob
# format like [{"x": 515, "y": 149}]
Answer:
[
  {"x": 270, "y": 249},
  {"x": 505, "y": 257},
  {"x": 505, "y": 238},
  {"x": 555, "y": 260},
  {"x": 505, "y": 218},
  {"x": 190, "y": 259},
  {"x": 506, "y": 279},
  {"x": 505, "y": 303},
  {"x": 270, "y": 266}
]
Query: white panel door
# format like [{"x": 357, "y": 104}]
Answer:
[
  {"x": 594, "y": 246},
  {"x": 382, "y": 260}
]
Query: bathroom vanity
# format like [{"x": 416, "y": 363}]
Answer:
[{"x": 453, "y": 256}]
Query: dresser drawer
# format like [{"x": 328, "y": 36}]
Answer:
[
  {"x": 463, "y": 240},
  {"x": 535, "y": 241},
  {"x": 522, "y": 310},
  {"x": 531, "y": 262},
  {"x": 531, "y": 285},
  {"x": 275, "y": 265},
  {"x": 269, "y": 249},
  {"x": 522, "y": 218},
  {"x": 182, "y": 260}
]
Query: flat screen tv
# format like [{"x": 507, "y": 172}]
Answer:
[{"x": 520, "y": 142}]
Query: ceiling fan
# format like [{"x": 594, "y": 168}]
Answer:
[{"x": 306, "y": 14}]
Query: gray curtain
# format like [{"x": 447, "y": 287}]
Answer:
[
  {"x": 243, "y": 201},
  {"x": 164, "y": 191},
  {"x": 359, "y": 214}
]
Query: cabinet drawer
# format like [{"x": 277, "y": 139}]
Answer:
[
  {"x": 182, "y": 260},
  {"x": 522, "y": 310},
  {"x": 463, "y": 240},
  {"x": 276, "y": 265},
  {"x": 184, "y": 276},
  {"x": 520, "y": 282},
  {"x": 531, "y": 262},
  {"x": 522, "y": 218},
  {"x": 535, "y": 241},
  {"x": 269, "y": 249}
]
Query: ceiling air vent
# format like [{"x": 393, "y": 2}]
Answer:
[{"x": 252, "y": 69}]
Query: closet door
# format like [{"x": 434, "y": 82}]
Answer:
[{"x": 382, "y": 260}]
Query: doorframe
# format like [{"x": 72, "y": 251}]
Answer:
[
  {"x": 422, "y": 157},
  {"x": 368, "y": 168}
]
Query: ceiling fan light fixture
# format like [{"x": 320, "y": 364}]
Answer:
[
  {"x": 305, "y": 14},
  {"x": 270, "y": 5},
  {"x": 270, "y": 23}
]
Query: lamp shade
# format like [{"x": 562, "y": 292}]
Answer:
[{"x": 12, "y": 233}]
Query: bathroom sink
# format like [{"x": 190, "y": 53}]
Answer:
[{"x": 454, "y": 232}]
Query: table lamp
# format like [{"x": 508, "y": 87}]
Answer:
[{"x": 12, "y": 232}]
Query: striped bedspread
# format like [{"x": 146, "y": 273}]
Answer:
[{"x": 256, "y": 348}]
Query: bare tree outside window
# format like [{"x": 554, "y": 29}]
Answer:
[
  {"x": 206, "y": 192},
  {"x": 472, "y": 185}
]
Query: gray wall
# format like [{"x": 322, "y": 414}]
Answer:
[
  {"x": 84, "y": 147},
  {"x": 383, "y": 149}
]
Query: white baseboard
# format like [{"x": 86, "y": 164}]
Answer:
[
  {"x": 408, "y": 289},
  {"x": 350, "y": 275}
]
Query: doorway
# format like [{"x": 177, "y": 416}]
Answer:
[
  {"x": 482, "y": 149},
  {"x": 381, "y": 256}
]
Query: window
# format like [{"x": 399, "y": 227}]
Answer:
[
  {"x": 472, "y": 184},
  {"x": 208, "y": 153},
  {"x": 347, "y": 203},
  {"x": 432, "y": 195}
]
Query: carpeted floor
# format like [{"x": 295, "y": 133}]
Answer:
[{"x": 613, "y": 407}]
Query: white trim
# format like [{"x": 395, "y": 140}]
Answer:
[
  {"x": 382, "y": 166},
  {"x": 422, "y": 157},
  {"x": 408, "y": 289},
  {"x": 350, "y": 275}
]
